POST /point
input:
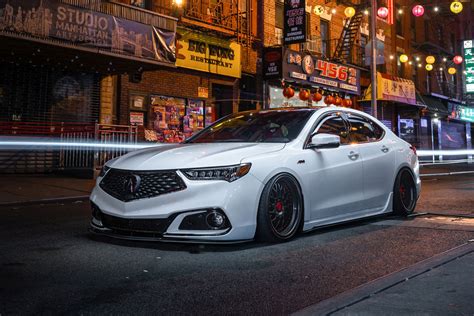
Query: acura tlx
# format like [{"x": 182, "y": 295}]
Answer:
[{"x": 266, "y": 174}]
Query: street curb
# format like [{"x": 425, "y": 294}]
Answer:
[
  {"x": 46, "y": 201},
  {"x": 365, "y": 291}
]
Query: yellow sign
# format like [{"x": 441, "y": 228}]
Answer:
[
  {"x": 209, "y": 54},
  {"x": 391, "y": 88}
]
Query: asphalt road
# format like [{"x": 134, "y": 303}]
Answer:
[{"x": 51, "y": 265}]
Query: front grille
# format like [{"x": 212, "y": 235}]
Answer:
[
  {"x": 127, "y": 185},
  {"x": 156, "y": 226}
]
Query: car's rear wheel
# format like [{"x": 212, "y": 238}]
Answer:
[
  {"x": 281, "y": 209},
  {"x": 404, "y": 193}
]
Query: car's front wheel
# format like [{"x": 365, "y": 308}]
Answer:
[
  {"x": 281, "y": 209},
  {"x": 404, "y": 193}
]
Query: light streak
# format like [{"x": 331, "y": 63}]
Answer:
[
  {"x": 460, "y": 152},
  {"x": 26, "y": 145}
]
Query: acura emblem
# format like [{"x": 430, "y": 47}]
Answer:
[{"x": 132, "y": 183}]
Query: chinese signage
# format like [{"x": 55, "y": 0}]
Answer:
[
  {"x": 203, "y": 92},
  {"x": 392, "y": 88},
  {"x": 272, "y": 62},
  {"x": 469, "y": 64},
  {"x": 295, "y": 22},
  {"x": 87, "y": 28},
  {"x": 460, "y": 112},
  {"x": 208, "y": 54},
  {"x": 306, "y": 69}
]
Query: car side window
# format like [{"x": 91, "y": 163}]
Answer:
[
  {"x": 363, "y": 130},
  {"x": 335, "y": 125}
]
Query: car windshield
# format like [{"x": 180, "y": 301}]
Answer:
[{"x": 275, "y": 126}]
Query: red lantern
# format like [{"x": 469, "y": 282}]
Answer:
[
  {"x": 349, "y": 102},
  {"x": 317, "y": 97},
  {"x": 382, "y": 12},
  {"x": 418, "y": 10},
  {"x": 337, "y": 101},
  {"x": 329, "y": 100},
  {"x": 288, "y": 92},
  {"x": 304, "y": 95},
  {"x": 457, "y": 60},
  {"x": 344, "y": 102}
]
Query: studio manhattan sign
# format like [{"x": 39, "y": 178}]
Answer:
[
  {"x": 208, "y": 54},
  {"x": 307, "y": 69},
  {"x": 48, "y": 19}
]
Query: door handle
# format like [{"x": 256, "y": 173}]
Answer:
[
  {"x": 384, "y": 149},
  {"x": 353, "y": 155}
]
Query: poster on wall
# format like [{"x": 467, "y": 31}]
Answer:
[
  {"x": 294, "y": 20},
  {"x": 137, "y": 118},
  {"x": 168, "y": 113}
]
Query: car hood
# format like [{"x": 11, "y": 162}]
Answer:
[{"x": 181, "y": 156}]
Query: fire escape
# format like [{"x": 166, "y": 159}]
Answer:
[
  {"x": 227, "y": 17},
  {"x": 350, "y": 32}
]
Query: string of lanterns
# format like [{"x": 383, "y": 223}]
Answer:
[
  {"x": 316, "y": 95},
  {"x": 430, "y": 60}
]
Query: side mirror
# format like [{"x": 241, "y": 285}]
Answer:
[{"x": 320, "y": 141}]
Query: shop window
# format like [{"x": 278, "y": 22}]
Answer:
[
  {"x": 279, "y": 23},
  {"x": 335, "y": 125},
  {"x": 144, "y": 4},
  {"x": 324, "y": 29},
  {"x": 278, "y": 36}
]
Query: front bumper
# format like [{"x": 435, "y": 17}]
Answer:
[{"x": 238, "y": 200}]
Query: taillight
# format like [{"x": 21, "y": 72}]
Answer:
[{"x": 413, "y": 148}]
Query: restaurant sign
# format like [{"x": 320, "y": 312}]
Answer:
[
  {"x": 294, "y": 30},
  {"x": 307, "y": 69},
  {"x": 209, "y": 54},
  {"x": 48, "y": 19},
  {"x": 469, "y": 64}
]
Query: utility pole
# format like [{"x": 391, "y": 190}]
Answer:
[{"x": 373, "y": 48}]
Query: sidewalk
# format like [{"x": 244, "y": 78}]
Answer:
[
  {"x": 26, "y": 189},
  {"x": 441, "y": 285}
]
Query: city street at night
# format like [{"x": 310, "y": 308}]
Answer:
[{"x": 51, "y": 264}]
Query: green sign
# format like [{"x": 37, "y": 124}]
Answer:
[
  {"x": 460, "y": 112},
  {"x": 469, "y": 64}
]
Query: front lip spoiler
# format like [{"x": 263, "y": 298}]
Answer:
[{"x": 109, "y": 233}]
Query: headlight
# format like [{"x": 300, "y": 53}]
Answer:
[
  {"x": 103, "y": 171},
  {"x": 228, "y": 173}
]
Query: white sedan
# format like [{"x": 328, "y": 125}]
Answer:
[{"x": 260, "y": 174}]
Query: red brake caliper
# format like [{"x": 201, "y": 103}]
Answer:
[{"x": 279, "y": 207}]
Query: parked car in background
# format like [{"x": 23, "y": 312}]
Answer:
[{"x": 267, "y": 174}]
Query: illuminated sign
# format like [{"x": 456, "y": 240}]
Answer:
[
  {"x": 460, "y": 112},
  {"x": 305, "y": 68},
  {"x": 209, "y": 54},
  {"x": 294, "y": 30},
  {"x": 469, "y": 65}
]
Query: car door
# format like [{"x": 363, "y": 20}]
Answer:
[
  {"x": 333, "y": 176},
  {"x": 378, "y": 161}
]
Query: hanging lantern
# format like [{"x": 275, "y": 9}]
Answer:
[
  {"x": 382, "y": 12},
  {"x": 429, "y": 67},
  {"x": 337, "y": 101},
  {"x": 457, "y": 60},
  {"x": 452, "y": 71},
  {"x": 456, "y": 7},
  {"x": 329, "y": 100},
  {"x": 349, "y": 12},
  {"x": 317, "y": 96},
  {"x": 304, "y": 95},
  {"x": 349, "y": 102},
  {"x": 288, "y": 92},
  {"x": 418, "y": 10},
  {"x": 403, "y": 58},
  {"x": 430, "y": 59},
  {"x": 318, "y": 10}
]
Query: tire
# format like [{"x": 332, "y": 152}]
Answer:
[
  {"x": 404, "y": 193},
  {"x": 280, "y": 212}
]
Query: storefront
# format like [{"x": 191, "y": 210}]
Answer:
[
  {"x": 458, "y": 130},
  {"x": 399, "y": 107},
  {"x": 171, "y": 105},
  {"x": 299, "y": 79},
  {"x": 54, "y": 57}
]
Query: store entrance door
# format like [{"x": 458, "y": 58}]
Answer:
[{"x": 223, "y": 96}]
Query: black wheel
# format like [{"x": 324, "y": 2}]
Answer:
[
  {"x": 404, "y": 193},
  {"x": 280, "y": 211}
]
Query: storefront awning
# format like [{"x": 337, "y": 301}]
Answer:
[
  {"x": 434, "y": 105},
  {"x": 395, "y": 89}
]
